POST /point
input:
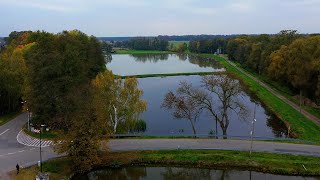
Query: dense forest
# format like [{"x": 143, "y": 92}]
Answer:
[
  {"x": 173, "y": 37},
  {"x": 288, "y": 57},
  {"x": 62, "y": 79},
  {"x": 143, "y": 43},
  {"x": 208, "y": 46}
]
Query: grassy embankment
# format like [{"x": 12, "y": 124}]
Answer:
[
  {"x": 6, "y": 118},
  {"x": 46, "y": 135},
  {"x": 283, "y": 90},
  {"x": 172, "y": 74},
  {"x": 263, "y": 162},
  {"x": 304, "y": 128}
]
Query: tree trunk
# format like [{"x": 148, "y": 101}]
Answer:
[
  {"x": 193, "y": 128},
  {"x": 216, "y": 129},
  {"x": 115, "y": 120},
  {"x": 300, "y": 99},
  {"x": 224, "y": 132}
]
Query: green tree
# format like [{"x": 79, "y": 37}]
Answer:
[
  {"x": 117, "y": 101},
  {"x": 59, "y": 65}
]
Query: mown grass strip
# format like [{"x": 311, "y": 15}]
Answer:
[
  {"x": 171, "y": 74},
  {"x": 303, "y": 127},
  {"x": 283, "y": 90}
]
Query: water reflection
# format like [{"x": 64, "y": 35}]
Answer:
[
  {"x": 173, "y": 173},
  {"x": 161, "y": 122},
  {"x": 135, "y": 64}
]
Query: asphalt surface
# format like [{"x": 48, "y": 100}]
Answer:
[
  {"x": 12, "y": 152},
  {"x": 211, "y": 144}
]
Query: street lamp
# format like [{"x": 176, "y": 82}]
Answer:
[
  {"x": 41, "y": 126},
  {"x": 25, "y": 102},
  {"x": 252, "y": 131}
]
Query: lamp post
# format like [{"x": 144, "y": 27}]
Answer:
[
  {"x": 252, "y": 131},
  {"x": 25, "y": 102},
  {"x": 41, "y": 126}
]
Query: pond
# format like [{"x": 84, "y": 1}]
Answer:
[
  {"x": 160, "y": 121},
  {"x": 168, "y": 173},
  {"x": 128, "y": 64}
]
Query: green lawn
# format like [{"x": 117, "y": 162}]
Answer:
[
  {"x": 283, "y": 90},
  {"x": 142, "y": 52},
  {"x": 6, "y": 118},
  {"x": 302, "y": 127},
  {"x": 219, "y": 159},
  {"x": 177, "y": 43},
  {"x": 49, "y": 135}
]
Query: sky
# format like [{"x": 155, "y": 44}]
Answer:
[{"x": 160, "y": 17}]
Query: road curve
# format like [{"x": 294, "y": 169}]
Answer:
[
  {"x": 12, "y": 152},
  {"x": 290, "y": 103}
]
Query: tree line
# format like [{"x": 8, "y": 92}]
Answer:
[
  {"x": 208, "y": 46},
  {"x": 290, "y": 58},
  {"x": 62, "y": 79},
  {"x": 143, "y": 43}
]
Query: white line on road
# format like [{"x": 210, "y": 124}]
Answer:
[{"x": 4, "y": 132}]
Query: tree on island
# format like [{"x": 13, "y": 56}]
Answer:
[{"x": 189, "y": 101}]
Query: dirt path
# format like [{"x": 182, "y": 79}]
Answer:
[{"x": 293, "y": 105}]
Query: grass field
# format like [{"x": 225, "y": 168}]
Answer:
[
  {"x": 177, "y": 43},
  {"x": 284, "y": 91},
  {"x": 218, "y": 159},
  {"x": 300, "y": 125},
  {"x": 48, "y": 135},
  {"x": 6, "y": 118}
]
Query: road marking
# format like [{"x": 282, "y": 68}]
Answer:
[
  {"x": 11, "y": 153},
  {"x": 4, "y": 132}
]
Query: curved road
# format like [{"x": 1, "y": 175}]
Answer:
[
  {"x": 12, "y": 152},
  {"x": 293, "y": 105}
]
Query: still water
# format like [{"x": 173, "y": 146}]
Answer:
[
  {"x": 172, "y": 173},
  {"x": 161, "y": 121},
  {"x": 128, "y": 64}
]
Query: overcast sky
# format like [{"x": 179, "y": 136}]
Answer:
[{"x": 160, "y": 17}]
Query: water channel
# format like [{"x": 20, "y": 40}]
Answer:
[
  {"x": 161, "y": 122},
  {"x": 173, "y": 173}
]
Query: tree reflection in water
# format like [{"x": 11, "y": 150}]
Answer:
[
  {"x": 174, "y": 173},
  {"x": 132, "y": 173}
]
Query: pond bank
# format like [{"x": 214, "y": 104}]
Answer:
[
  {"x": 304, "y": 128},
  {"x": 215, "y": 159}
]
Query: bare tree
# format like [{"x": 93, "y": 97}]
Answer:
[
  {"x": 226, "y": 89},
  {"x": 183, "y": 108}
]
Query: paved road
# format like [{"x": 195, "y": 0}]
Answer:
[
  {"x": 12, "y": 152},
  {"x": 243, "y": 145},
  {"x": 293, "y": 105}
]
